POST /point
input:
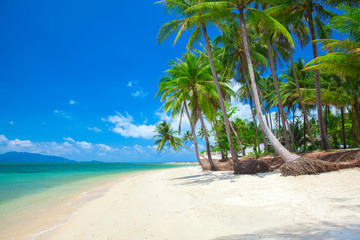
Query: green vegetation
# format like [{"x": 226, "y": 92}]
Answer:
[{"x": 255, "y": 36}]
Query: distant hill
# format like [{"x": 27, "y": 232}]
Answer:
[{"x": 30, "y": 157}]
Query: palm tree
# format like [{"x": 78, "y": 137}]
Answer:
[
  {"x": 241, "y": 6},
  {"x": 295, "y": 81},
  {"x": 165, "y": 136},
  {"x": 191, "y": 80},
  {"x": 314, "y": 13},
  {"x": 196, "y": 20},
  {"x": 344, "y": 55},
  {"x": 269, "y": 42},
  {"x": 234, "y": 58},
  {"x": 300, "y": 30}
]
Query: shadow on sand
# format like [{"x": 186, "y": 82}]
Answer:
[
  {"x": 324, "y": 231},
  {"x": 208, "y": 177}
]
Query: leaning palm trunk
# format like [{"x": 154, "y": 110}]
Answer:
[
  {"x": 276, "y": 85},
  {"x": 291, "y": 135},
  {"x": 221, "y": 98},
  {"x": 281, "y": 150},
  {"x": 195, "y": 140},
  {"x": 182, "y": 145},
  {"x": 250, "y": 98},
  {"x": 212, "y": 165},
  {"x": 343, "y": 127},
  {"x": 325, "y": 144},
  {"x": 267, "y": 122},
  {"x": 238, "y": 140},
  {"x": 300, "y": 97},
  {"x": 255, "y": 123},
  {"x": 218, "y": 140}
]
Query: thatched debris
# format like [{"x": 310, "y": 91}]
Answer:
[
  {"x": 251, "y": 167},
  {"x": 306, "y": 166}
]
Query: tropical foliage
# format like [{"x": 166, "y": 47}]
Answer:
[{"x": 308, "y": 106}]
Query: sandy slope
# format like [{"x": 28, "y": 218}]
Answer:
[{"x": 185, "y": 203}]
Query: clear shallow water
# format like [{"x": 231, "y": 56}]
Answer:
[
  {"x": 21, "y": 179},
  {"x": 36, "y": 197}
]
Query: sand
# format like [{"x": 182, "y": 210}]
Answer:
[{"x": 186, "y": 203}]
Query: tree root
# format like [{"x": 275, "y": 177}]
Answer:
[
  {"x": 306, "y": 166},
  {"x": 251, "y": 167}
]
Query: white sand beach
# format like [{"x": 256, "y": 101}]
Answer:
[{"x": 186, "y": 203}]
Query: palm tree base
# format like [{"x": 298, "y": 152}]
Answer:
[
  {"x": 307, "y": 166},
  {"x": 251, "y": 167}
]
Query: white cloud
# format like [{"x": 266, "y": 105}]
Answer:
[
  {"x": 174, "y": 122},
  {"x": 62, "y": 114},
  {"x": 243, "y": 110},
  {"x": 139, "y": 93},
  {"x": 125, "y": 127},
  {"x": 235, "y": 86},
  {"x": 85, "y": 151},
  {"x": 20, "y": 143},
  {"x": 131, "y": 83},
  {"x": 70, "y": 148},
  {"x": 72, "y": 102},
  {"x": 11, "y": 123},
  {"x": 68, "y": 139},
  {"x": 94, "y": 129},
  {"x": 84, "y": 145}
]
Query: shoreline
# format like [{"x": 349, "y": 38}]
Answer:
[
  {"x": 187, "y": 203},
  {"x": 46, "y": 218}
]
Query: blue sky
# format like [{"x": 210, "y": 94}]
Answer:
[{"x": 78, "y": 78}]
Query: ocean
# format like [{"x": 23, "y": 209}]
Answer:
[{"x": 29, "y": 190}]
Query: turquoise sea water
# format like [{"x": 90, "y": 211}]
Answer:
[
  {"x": 31, "y": 192},
  {"x": 21, "y": 179}
]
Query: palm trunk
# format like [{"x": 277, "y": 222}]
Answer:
[
  {"x": 212, "y": 165},
  {"x": 276, "y": 85},
  {"x": 192, "y": 150},
  {"x": 357, "y": 115},
  {"x": 293, "y": 127},
  {"x": 281, "y": 150},
  {"x": 263, "y": 134},
  {"x": 255, "y": 123},
  {"x": 254, "y": 118},
  {"x": 251, "y": 107},
  {"x": 325, "y": 117},
  {"x": 300, "y": 97},
  {"x": 238, "y": 140},
  {"x": 270, "y": 119},
  {"x": 304, "y": 133},
  {"x": 325, "y": 144},
  {"x": 195, "y": 140},
  {"x": 293, "y": 119},
  {"x": 221, "y": 98},
  {"x": 343, "y": 127},
  {"x": 291, "y": 135},
  {"x": 218, "y": 138}
]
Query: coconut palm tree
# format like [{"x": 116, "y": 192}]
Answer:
[
  {"x": 196, "y": 20},
  {"x": 314, "y": 13},
  {"x": 240, "y": 6},
  {"x": 300, "y": 30},
  {"x": 291, "y": 91},
  {"x": 343, "y": 58},
  {"x": 344, "y": 55},
  {"x": 234, "y": 58},
  {"x": 164, "y": 136},
  {"x": 191, "y": 80}
]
